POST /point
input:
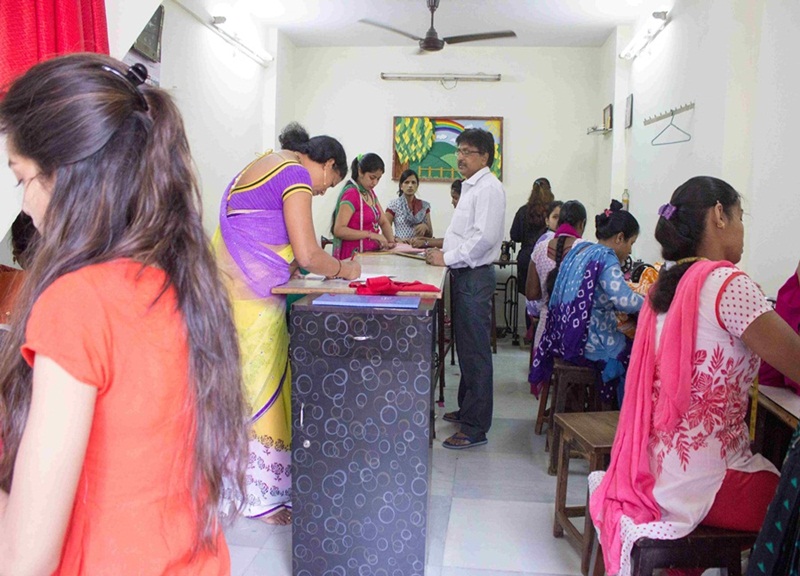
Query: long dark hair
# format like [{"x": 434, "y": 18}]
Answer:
[
  {"x": 572, "y": 213},
  {"x": 680, "y": 235},
  {"x": 124, "y": 188},
  {"x": 541, "y": 196},
  {"x": 320, "y": 149},
  {"x": 614, "y": 220},
  {"x": 403, "y": 177}
]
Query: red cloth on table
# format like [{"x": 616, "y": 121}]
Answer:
[
  {"x": 37, "y": 30},
  {"x": 385, "y": 285}
]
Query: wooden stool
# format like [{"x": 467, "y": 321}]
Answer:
[
  {"x": 706, "y": 547},
  {"x": 544, "y": 412},
  {"x": 569, "y": 379},
  {"x": 591, "y": 435}
]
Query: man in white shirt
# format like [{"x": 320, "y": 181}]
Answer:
[{"x": 471, "y": 245}]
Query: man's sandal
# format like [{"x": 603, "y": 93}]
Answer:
[
  {"x": 460, "y": 441},
  {"x": 453, "y": 417}
]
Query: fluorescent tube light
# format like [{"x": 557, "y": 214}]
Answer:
[
  {"x": 479, "y": 77},
  {"x": 645, "y": 35},
  {"x": 261, "y": 56}
]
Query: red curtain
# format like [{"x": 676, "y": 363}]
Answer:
[{"x": 35, "y": 30}]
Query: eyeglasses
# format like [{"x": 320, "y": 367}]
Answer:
[{"x": 465, "y": 152}]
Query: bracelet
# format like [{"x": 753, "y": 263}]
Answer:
[{"x": 339, "y": 270}]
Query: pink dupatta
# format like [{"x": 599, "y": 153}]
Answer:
[{"x": 627, "y": 487}]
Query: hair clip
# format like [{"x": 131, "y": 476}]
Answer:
[
  {"x": 607, "y": 212},
  {"x": 667, "y": 210},
  {"x": 360, "y": 157},
  {"x": 135, "y": 76}
]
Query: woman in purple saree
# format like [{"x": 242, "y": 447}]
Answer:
[{"x": 266, "y": 232}]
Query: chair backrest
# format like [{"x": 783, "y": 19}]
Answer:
[{"x": 324, "y": 241}]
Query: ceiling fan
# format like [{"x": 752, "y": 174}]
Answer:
[{"x": 431, "y": 42}]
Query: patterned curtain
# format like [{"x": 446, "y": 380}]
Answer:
[{"x": 35, "y": 30}]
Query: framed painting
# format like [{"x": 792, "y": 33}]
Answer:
[
  {"x": 608, "y": 118},
  {"x": 427, "y": 145}
]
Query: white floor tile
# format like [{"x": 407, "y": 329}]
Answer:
[
  {"x": 241, "y": 557},
  {"x": 247, "y": 532},
  {"x": 512, "y": 536},
  {"x": 281, "y": 539},
  {"x": 271, "y": 563}
]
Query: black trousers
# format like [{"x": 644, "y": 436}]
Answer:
[{"x": 473, "y": 290}]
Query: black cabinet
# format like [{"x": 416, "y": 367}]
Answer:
[{"x": 361, "y": 403}]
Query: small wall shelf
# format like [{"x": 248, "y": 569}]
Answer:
[{"x": 596, "y": 130}]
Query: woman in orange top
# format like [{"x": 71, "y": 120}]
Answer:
[{"x": 125, "y": 409}]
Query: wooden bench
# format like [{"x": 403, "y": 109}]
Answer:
[{"x": 590, "y": 435}]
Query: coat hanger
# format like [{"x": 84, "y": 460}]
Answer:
[{"x": 671, "y": 123}]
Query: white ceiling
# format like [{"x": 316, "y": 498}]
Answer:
[{"x": 536, "y": 22}]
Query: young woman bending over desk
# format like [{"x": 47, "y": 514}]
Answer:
[{"x": 359, "y": 222}]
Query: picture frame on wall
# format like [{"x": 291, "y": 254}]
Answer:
[
  {"x": 148, "y": 44},
  {"x": 608, "y": 122},
  {"x": 427, "y": 145},
  {"x": 629, "y": 111}
]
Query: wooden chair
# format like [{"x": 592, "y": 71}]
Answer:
[
  {"x": 573, "y": 389},
  {"x": 589, "y": 435},
  {"x": 704, "y": 548}
]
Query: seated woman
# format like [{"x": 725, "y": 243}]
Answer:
[
  {"x": 455, "y": 195},
  {"x": 682, "y": 455},
  {"x": 359, "y": 222},
  {"x": 410, "y": 216},
  {"x": 581, "y": 321},
  {"x": 788, "y": 308},
  {"x": 546, "y": 257}
]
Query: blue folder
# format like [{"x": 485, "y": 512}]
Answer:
[{"x": 364, "y": 301}]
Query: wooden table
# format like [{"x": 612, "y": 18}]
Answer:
[{"x": 777, "y": 417}]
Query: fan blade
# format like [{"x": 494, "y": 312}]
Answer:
[
  {"x": 390, "y": 29},
  {"x": 483, "y": 36}
]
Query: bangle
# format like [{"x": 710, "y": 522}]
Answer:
[{"x": 339, "y": 270}]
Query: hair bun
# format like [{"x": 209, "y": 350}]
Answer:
[
  {"x": 292, "y": 135},
  {"x": 616, "y": 206}
]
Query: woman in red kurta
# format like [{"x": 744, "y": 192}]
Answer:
[{"x": 125, "y": 409}]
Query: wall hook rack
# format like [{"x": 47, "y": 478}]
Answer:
[{"x": 672, "y": 112}]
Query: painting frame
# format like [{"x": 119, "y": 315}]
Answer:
[
  {"x": 426, "y": 144},
  {"x": 608, "y": 117},
  {"x": 629, "y": 111},
  {"x": 148, "y": 44}
]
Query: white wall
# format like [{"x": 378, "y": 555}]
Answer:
[
  {"x": 704, "y": 55},
  {"x": 547, "y": 98},
  {"x": 773, "y": 234}
]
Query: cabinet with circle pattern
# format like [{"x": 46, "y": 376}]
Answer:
[{"x": 361, "y": 402}]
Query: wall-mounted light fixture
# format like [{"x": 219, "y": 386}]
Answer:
[
  {"x": 645, "y": 35},
  {"x": 479, "y": 77},
  {"x": 261, "y": 56}
]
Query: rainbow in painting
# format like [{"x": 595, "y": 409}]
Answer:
[{"x": 447, "y": 130}]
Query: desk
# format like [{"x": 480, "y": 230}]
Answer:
[
  {"x": 361, "y": 424},
  {"x": 777, "y": 416},
  {"x": 400, "y": 268}
]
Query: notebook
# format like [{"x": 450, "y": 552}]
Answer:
[{"x": 365, "y": 301}]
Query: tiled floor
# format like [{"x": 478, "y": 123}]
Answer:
[{"x": 491, "y": 507}]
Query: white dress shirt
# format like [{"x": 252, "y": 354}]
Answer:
[{"x": 476, "y": 231}]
